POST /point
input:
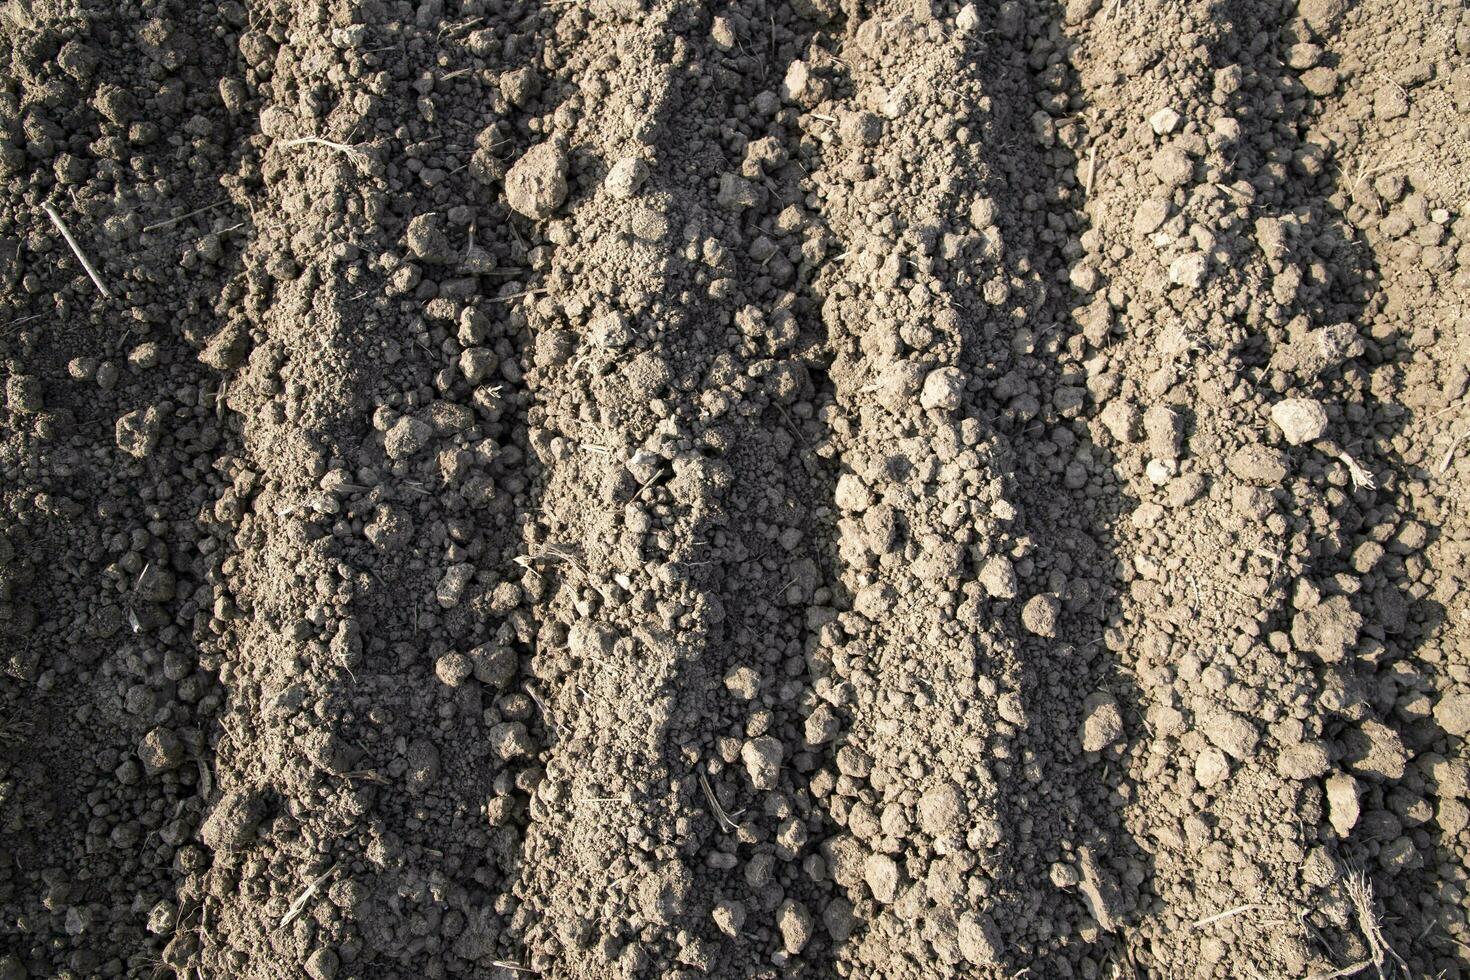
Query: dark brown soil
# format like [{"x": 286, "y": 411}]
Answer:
[{"x": 662, "y": 488}]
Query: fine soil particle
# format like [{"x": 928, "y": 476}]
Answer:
[{"x": 796, "y": 488}]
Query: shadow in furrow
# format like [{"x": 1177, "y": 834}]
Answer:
[
  {"x": 1326, "y": 280},
  {"x": 373, "y": 745},
  {"x": 1070, "y": 893}
]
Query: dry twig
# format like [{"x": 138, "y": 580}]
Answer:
[
  {"x": 77, "y": 250},
  {"x": 541, "y": 703}
]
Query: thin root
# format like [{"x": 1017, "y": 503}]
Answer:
[
  {"x": 1382, "y": 956},
  {"x": 1358, "y": 473}
]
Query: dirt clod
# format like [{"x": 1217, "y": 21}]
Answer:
[
  {"x": 1301, "y": 420},
  {"x": 536, "y": 184}
]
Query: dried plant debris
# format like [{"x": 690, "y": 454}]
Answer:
[{"x": 790, "y": 488}]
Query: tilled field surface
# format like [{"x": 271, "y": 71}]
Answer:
[{"x": 677, "y": 488}]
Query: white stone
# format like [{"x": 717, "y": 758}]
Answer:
[
  {"x": 1188, "y": 270},
  {"x": 1164, "y": 122},
  {"x": 1160, "y": 471}
]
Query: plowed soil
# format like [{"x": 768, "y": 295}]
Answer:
[{"x": 678, "y": 488}]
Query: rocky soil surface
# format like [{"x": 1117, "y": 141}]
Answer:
[{"x": 777, "y": 488}]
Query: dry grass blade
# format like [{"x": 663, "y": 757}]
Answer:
[
  {"x": 170, "y": 222},
  {"x": 1449, "y": 454},
  {"x": 298, "y": 907},
  {"x": 77, "y": 250},
  {"x": 330, "y": 144},
  {"x": 1347, "y": 971},
  {"x": 206, "y": 780},
  {"x": 726, "y": 824},
  {"x": 19, "y": 320},
  {"x": 13, "y": 731},
  {"x": 541, "y": 704},
  {"x": 1366, "y": 172},
  {"x": 1225, "y": 915},
  {"x": 510, "y": 296}
]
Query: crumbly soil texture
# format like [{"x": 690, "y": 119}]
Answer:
[{"x": 734, "y": 488}]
